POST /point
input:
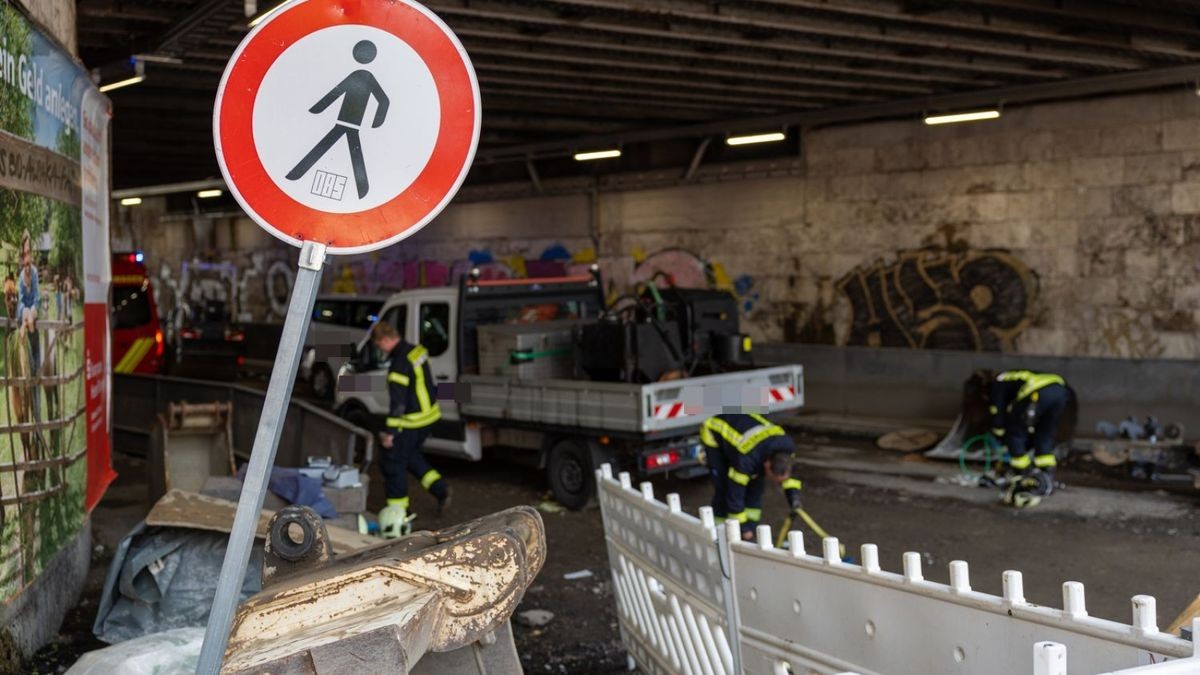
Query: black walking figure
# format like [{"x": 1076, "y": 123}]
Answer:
[{"x": 357, "y": 88}]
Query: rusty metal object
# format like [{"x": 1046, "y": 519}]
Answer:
[
  {"x": 382, "y": 608},
  {"x": 190, "y": 443}
]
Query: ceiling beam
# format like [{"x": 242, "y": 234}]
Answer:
[
  {"x": 890, "y": 19},
  {"x": 540, "y": 99},
  {"x": 665, "y": 84},
  {"x": 644, "y": 96},
  {"x": 740, "y": 20},
  {"x": 1111, "y": 17},
  {"x": 1091, "y": 86},
  {"x": 675, "y": 68},
  {"x": 905, "y": 63}
]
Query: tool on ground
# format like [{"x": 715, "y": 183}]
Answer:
[{"x": 781, "y": 538}]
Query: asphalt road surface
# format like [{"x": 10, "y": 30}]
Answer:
[{"x": 1116, "y": 537}]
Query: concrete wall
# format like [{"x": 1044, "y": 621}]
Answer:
[
  {"x": 1060, "y": 229},
  {"x": 927, "y": 384},
  {"x": 32, "y": 619},
  {"x": 58, "y": 17}
]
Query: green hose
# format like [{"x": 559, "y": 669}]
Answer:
[{"x": 989, "y": 444}]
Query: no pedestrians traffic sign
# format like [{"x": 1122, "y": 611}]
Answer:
[{"x": 349, "y": 123}]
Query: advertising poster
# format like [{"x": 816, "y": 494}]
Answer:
[{"x": 53, "y": 195}]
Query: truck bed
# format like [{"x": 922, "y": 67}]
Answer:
[{"x": 648, "y": 409}]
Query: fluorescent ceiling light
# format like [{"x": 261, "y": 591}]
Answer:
[
  {"x": 257, "y": 19},
  {"x": 963, "y": 117},
  {"x": 774, "y": 137},
  {"x": 209, "y": 194},
  {"x": 599, "y": 154},
  {"x": 122, "y": 83},
  {"x": 131, "y": 201}
]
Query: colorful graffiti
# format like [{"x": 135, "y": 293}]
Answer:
[
  {"x": 258, "y": 283},
  {"x": 685, "y": 269},
  {"x": 940, "y": 299}
]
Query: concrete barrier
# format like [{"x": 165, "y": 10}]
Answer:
[{"x": 927, "y": 384}]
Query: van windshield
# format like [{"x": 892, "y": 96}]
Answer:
[{"x": 131, "y": 306}]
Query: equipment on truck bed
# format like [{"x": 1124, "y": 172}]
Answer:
[{"x": 663, "y": 331}]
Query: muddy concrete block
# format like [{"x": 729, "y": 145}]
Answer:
[
  {"x": 1097, "y": 170},
  {"x": 1133, "y": 139},
  {"x": 1185, "y": 197},
  {"x": 1135, "y": 200},
  {"x": 906, "y": 156},
  {"x": 1181, "y": 134},
  {"x": 1047, "y": 175},
  {"x": 1160, "y": 167},
  {"x": 1032, "y": 206},
  {"x": 1083, "y": 202},
  {"x": 1076, "y": 142},
  {"x": 1142, "y": 264}
]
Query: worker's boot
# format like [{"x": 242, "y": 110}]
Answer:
[
  {"x": 394, "y": 522},
  {"x": 441, "y": 492}
]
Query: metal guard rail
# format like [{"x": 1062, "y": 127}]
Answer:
[{"x": 307, "y": 431}]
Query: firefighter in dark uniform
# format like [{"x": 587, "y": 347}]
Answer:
[
  {"x": 1026, "y": 408},
  {"x": 412, "y": 410},
  {"x": 744, "y": 452}
]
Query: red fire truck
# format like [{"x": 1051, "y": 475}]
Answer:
[{"x": 137, "y": 336}]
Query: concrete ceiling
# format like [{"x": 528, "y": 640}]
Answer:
[{"x": 556, "y": 70}]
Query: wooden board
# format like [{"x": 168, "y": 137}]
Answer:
[
  {"x": 908, "y": 440},
  {"x": 1185, "y": 619},
  {"x": 178, "y": 508}
]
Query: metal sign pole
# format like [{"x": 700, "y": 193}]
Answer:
[{"x": 262, "y": 458}]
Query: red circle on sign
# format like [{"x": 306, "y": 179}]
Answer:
[{"x": 412, "y": 209}]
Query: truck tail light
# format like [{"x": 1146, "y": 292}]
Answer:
[
  {"x": 234, "y": 335},
  {"x": 662, "y": 459},
  {"x": 189, "y": 334},
  {"x": 158, "y": 343}
]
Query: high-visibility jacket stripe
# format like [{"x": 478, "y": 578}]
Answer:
[
  {"x": 431, "y": 476},
  {"x": 738, "y": 477},
  {"x": 792, "y": 484},
  {"x": 1021, "y": 462},
  {"x": 397, "y": 378},
  {"x": 415, "y": 420},
  {"x": 1045, "y": 461},
  {"x": 1031, "y": 382},
  {"x": 753, "y": 515},
  {"x": 740, "y": 517}
]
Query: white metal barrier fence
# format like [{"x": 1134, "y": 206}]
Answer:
[{"x": 693, "y": 598}]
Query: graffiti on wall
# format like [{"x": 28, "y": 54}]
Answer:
[
  {"x": 941, "y": 299},
  {"x": 685, "y": 269}
]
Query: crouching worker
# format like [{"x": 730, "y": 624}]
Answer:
[
  {"x": 1026, "y": 408},
  {"x": 744, "y": 453},
  {"x": 412, "y": 410}
]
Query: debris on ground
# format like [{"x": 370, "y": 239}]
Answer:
[
  {"x": 581, "y": 574},
  {"x": 534, "y": 618},
  {"x": 550, "y": 506},
  {"x": 173, "y": 652}
]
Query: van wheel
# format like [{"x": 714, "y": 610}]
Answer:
[
  {"x": 569, "y": 472},
  {"x": 322, "y": 382}
]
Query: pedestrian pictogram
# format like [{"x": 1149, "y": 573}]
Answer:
[
  {"x": 350, "y": 123},
  {"x": 356, "y": 92}
]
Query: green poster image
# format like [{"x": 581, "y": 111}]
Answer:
[{"x": 43, "y": 442}]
